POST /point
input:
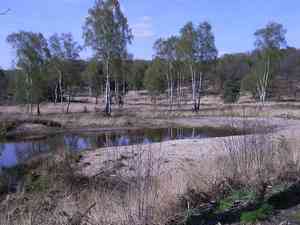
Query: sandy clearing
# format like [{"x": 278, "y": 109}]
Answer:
[{"x": 181, "y": 159}]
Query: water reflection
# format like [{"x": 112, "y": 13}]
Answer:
[{"x": 14, "y": 153}]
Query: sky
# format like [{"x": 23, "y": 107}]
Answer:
[{"x": 233, "y": 21}]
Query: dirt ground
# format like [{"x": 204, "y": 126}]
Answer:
[{"x": 139, "y": 111}]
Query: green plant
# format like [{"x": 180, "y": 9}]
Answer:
[{"x": 261, "y": 213}]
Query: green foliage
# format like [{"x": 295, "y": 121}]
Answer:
[
  {"x": 33, "y": 57},
  {"x": 136, "y": 77},
  {"x": 207, "y": 51},
  {"x": 272, "y": 36},
  {"x": 232, "y": 67},
  {"x": 106, "y": 29},
  {"x": 94, "y": 74},
  {"x": 229, "y": 201},
  {"x": 154, "y": 80},
  {"x": 20, "y": 88},
  {"x": 3, "y": 83},
  {"x": 257, "y": 215}
]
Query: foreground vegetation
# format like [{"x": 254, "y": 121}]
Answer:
[{"x": 249, "y": 179}]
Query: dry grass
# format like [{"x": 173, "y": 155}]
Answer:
[
  {"x": 128, "y": 191},
  {"x": 139, "y": 107}
]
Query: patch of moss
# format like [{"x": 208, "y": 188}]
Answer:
[{"x": 261, "y": 213}]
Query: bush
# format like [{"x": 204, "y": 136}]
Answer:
[
  {"x": 154, "y": 80},
  {"x": 231, "y": 90}
]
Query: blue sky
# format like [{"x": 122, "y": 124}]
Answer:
[{"x": 233, "y": 21}]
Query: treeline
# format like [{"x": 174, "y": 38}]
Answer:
[
  {"x": 185, "y": 67},
  {"x": 190, "y": 61},
  {"x": 86, "y": 78}
]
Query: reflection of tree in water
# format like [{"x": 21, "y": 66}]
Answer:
[
  {"x": 75, "y": 142},
  {"x": 154, "y": 135},
  {"x": 106, "y": 140},
  {"x": 56, "y": 143},
  {"x": 1, "y": 148},
  {"x": 143, "y": 136}
]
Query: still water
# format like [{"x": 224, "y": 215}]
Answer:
[{"x": 14, "y": 153}]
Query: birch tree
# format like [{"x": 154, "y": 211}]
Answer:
[
  {"x": 32, "y": 58},
  {"x": 188, "y": 48},
  {"x": 207, "y": 54},
  {"x": 63, "y": 50},
  {"x": 268, "y": 42},
  {"x": 166, "y": 50},
  {"x": 107, "y": 32}
]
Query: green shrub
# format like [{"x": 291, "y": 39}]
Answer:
[
  {"x": 260, "y": 214},
  {"x": 232, "y": 90}
]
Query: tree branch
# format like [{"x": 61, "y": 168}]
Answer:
[{"x": 4, "y": 12}]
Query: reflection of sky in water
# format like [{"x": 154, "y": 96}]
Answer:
[
  {"x": 146, "y": 141},
  {"x": 8, "y": 156},
  {"x": 77, "y": 143},
  {"x": 13, "y": 153},
  {"x": 123, "y": 140}
]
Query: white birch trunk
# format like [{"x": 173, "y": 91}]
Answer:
[
  {"x": 107, "y": 90},
  {"x": 60, "y": 87},
  {"x": 263, "y": 83},
  {"x": 193, "y": 85}
]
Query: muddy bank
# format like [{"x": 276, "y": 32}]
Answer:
[{"x": 22, "y": 126}]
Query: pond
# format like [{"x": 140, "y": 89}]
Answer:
[{"x": 14, "y": 153}]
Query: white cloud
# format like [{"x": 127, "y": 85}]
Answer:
[{"x": 143, "y": 28}]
